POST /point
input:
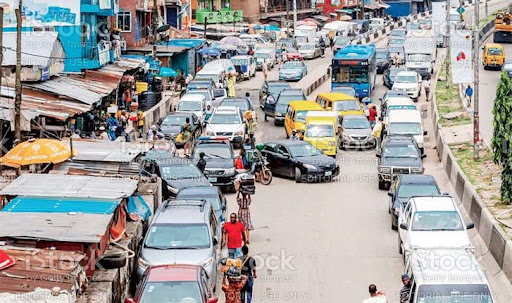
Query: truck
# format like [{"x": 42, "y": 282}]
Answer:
[
  {"x": 503, "y": 27},
  {"x": 420, "y": 52},
  {"x": 439, "y": 19},
  {"x": 305, "y": 34}
]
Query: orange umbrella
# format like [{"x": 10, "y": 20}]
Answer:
[{"x": 37, "y": 151}]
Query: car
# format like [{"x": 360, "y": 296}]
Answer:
[
  {"x": 397, "y": 51},
  {"x": 161, "y": 150},
  {"x": 398, "y": 155},
  {"x": 383, "y": 60},
  {"x": 309, "y": 51},
  {"x": 389, "y": 95},
  {"x": 193, "y": 103},
  {"x": 299, "y": 160},
  {"x": 208, "y": 84},
  {"x": 271, "y": 88},
  {"x": 177, "y": 173},
  {"x": 396, "y": 41},
  {"x": 245, "y": 64},
  {"x": 407, "y": 186},
  {"x": 209, "y": 96},
  {"x": 409, "y": 82},
  {"x": 243, "y": 103},
  {"x": 187, "y": 282},
  {"x": 347, "y": 90},
  {"x": 220, "y": 160},
  {"x": 396, "y": 103},
  {"x": 212, "y": 194},
  {"x": 410, "y": 26},
  {"x": 388, "y": 77},
  {"x": 182, "y": 232},
  {"x": 398, "y": 32},
  {"x": 356, "y": 132},
  {"x": 340, "y": 43},
  {"x": 431, "y": 222},
  {"x": 227, "y": 121},
  {"x": 171, "y": 125},
  {"x": 507, "y": 67},
  {"x": 293, "y": 70},
  {"x": 285, "y": 43},
  {"x": 277, "y": 107},
  {"x": 265, "y": 57}
]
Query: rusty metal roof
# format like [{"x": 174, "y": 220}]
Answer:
[{"x": 40, "y": 268}]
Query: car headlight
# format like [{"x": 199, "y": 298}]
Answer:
[
  {"x": 332, "y": 143},
  {"x": 385, "y": 170},
  {"x": 239, "y": 133},
  {"x": 206, "y": 262},
  {"x": 309, "y": 167},
  {"x": 279, "y": 115},
  {"x": 210, "y": 133},
  {"x": 143, "y": 263},
  {"x": 230, "y": 171},
  {"x": 172, "y": 189}
]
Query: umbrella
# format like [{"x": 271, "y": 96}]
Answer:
[
  {"x": 232, "y": 41},
  {"x": 166, "y": 72},
  {"x": 346, "y": 18},
  {"x": 209, "y": 51},
  {"x": 316, "y": 22},
  {"x": 37, "y": 151},
  {"x": 272, "y": 28},
  {"x": 306, "y": 22}
]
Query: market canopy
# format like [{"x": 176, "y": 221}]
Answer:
[
  {"x": 36, "y": 151},
  {"x": 210, "y": 51},
  {"x": 166, "y": 72}
]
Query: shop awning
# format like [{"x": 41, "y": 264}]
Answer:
[
  {"x": 372, "y": 6},
  {"x": 161, "y": 50},
  {"x": 345, "y": 10},
  {"x": 383, "y": 5}
]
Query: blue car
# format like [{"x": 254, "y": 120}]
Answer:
[{"x": 293, "y": 71}]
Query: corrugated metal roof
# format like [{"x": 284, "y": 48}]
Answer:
[
  {"x": 97, "y": 168},
  {"x": 38, "y": 48},
  {"x": 50, "y": 185},
  {"x": 159, "y": 49},
  {"x": 61, "y": 205},
  {"x": 107, "y": 151},
  {"x": 80, "y": 227}
]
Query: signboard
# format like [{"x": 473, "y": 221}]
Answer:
[
  {"x": 438, "y": 17},
  {"x": 461, "y": 57},
  {"x": 43, "y": 12},
  {"x": 352, "y": 62},
  {"x": 454, "y": 3}
]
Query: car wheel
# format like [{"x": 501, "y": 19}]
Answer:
[
  {"x": 298, "y": 175},
  {"x": 275, "y": 123},
  {"x": 382, "y": 185},
  {"x": 393, "y": 226}
]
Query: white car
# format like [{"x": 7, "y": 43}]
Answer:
[
  {"x": 247, "y": 65},
  {"x": 431, "y": 222},
  {"x": 195, "y": 103},
  {"x": 409, "y": 82},
  {"x": 208, "y": 98},
  {"x": 309, "y": 51},
  {"x": 227, "y": 121},
  {"x": 265, "y": 57}
]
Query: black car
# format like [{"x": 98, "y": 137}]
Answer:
[
  {"x": 507, "y": 67},
  {"x": 241, "y": 102},
  {"x": 382, "y": 59},
  {"x": 277, "y": 107},
  {"x": 177, "y": 173},
  {"x": 389, "y": 94},
  {"x": 347, "y": 90},
  {"x": 171, "y": 125},
  {"x": 407, "y": 186},
  {"x": 299, "y": 160},
  {"x": 388, "y": 78},
  {"x": 211, "y": 194},
  {"x": 398, "y": 155},
  {"x": 340, "y": 43},
  {"x": 220, "y": 161},
  {"x": 271, "y": 88}
]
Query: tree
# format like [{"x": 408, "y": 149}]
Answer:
[{"x": 502, "y": 137}]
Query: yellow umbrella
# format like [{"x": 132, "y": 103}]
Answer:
[{"x": 37, "y": 151}]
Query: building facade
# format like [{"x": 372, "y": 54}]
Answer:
[{"x": 135, "y": 19}]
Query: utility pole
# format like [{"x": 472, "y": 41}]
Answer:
[
  {"x": 476, "y": 72},
  {"x": 486, "y": 8},
  {"x": 294, "y": 15},
  {"x": 17, "y": 85},
  {"x": 448, "y": 58},
  {"x": 155, "y": 25}
]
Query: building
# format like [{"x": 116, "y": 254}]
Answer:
[
  {"x": 349, "y": 7},
  {"x": 135, "y": 20},
  {"x": 402, "y": 8},
  {"x": 222, "y": 11},
  {"x": 277, "y": 11}
]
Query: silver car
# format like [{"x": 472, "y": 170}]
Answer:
[
  {"x": 182, "y": 232},
  {"x": 310, "y": 51},
  {"x": 356, "y": 133}
]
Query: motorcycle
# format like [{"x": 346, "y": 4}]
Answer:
[{"x": 263, "y": 173}]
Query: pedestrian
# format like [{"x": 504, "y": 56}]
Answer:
[
  {"x": 426, "y": 86},
  {"x": 406, "y": 289},
  {"x": 140, "y": 122},
  {"x": 179, "y": 80},
  {"x": 208, "y": 113},
  {"x": 76, "y": 135},
  {"x": 331, "y": 42},
  {"x": 127, "y": 98},
  {"x": 234, "y": 236},
  {"x": 112, "y": 124},
  {"x": 375, "y": 296},
  {"x": 469, "y": 94},
  {"x": 186, "y": 131},
  {"x": 251, "y": 127},
  {"x": 294, "y": 135},
  {"x": 231, "y": 85},
  {"x": 201, "y": 164},
  {"x": 103, "y": 133},
  {"x": 377, "y": 132},
  {"x": 322, "y": 46},
  {"x": 244, "y": 213},
  {"x": 248, "y": 270},
  {"x": 372, "y": 115},
  {"x": 232, "y": 285},
  {"x": 265, "y": 72}
]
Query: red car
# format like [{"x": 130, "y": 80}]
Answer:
[
  {"x": 174, "y": 283},
  {"x": 294, "y": 56}
]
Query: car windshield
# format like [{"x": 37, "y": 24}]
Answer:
[
  {"x": 405, "y": 79},
  {"x": 172, "y": 236},
  {"x": 276, "y": 89},
  {"x": 240, "y": 61},
  {"x": 356, "y": 123},
  {"x": 418, "y": 58},
  {"x": 242, "y": 104},
  {"x": 401, "y": 151},
  {"x": 214, "y": 77},
  {"x": 198, "y": 85},
  {"x": 319, "y": 131},
  {"x": 284, "y": 43},
  {"x": 454, "y": 293},
  {"x": 283, "y": 101},
  {"x": 304, "y": 150},
  {"x": 397, "y": 41},
  {"x": 397, "y": 33},
  {"x": 408, "y": 190},
  {"x": 174, "y": 120},
  {"x": 494, "y": 51},
  {"x": 342, "y": 41},
  {"x": 225, "y": 119},
  {"x": 213, "y": 151},
  {"x": 307, "y": 47},
  {"x": 300, "y": 116},
  {"x": 262, "y": 55},
  {"x": 183, "y": 171},
  {"x": 292, "y": 65},
  {"x": 396, "y": 49},
  {"x": 202, "y": 93},
  {"x": 189, "y": 106},
  {"x": 436, "y": 220},
  {"x": 347, "y": 74},
  {"x": 346, "y": 105},
  {"x": 171, "y": 292},
  {"x": 346, "y": 90},
  {"x": 404, "y": 128},
  {"x": 382, "y": 55}
]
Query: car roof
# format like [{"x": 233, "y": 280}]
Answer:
[
  {"x": 345, "y": 117},
  {"x": 189, "y": 211},
  {"x": 407, "y": 73},
  {"x": 405, "y": 115},
  {"x": 291, "y": 91},
  {"x": 227, "y": 109},
  {"x": 198, "y": 190},
  {"x": 287, "y": 142},
  {"x": 173, "y": 273},
  {"x": 416, "y": 179},
  {"x": 235, "y": 99},
  {"x": 277, "y": 83},
  {"x": 434, "y": 203},
  {"x": 399, "y": 140},
  {"x": 305, "y": 105},
  {"x": 193, "y": 96},
  {"x": 175, "y": 161},
  {"x": 399, "y": 101},
  {"x": 339, "y": 96},
  {"x": 390, "y": 93}
]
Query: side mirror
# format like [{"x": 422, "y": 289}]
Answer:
[
  {"x": 403, "y": 226},
  {"x": 213, "y": 300},
  {"x": 470, "y": 225},
  {"x": 215, "y": 240},
  {"x": 390, "y": 194},
  {"x": 423, "y": 156},
  {"x": 425, "y": 133},
  {"x": 129, "y": 300}
]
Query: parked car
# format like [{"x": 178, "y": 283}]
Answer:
[
  {"x": 425, "y": 23},
  {"x": 245, "y": 65},
  {"x": 194, "y": 104},
  {"x": 410, "y": 26},
  {"x": 271, "y": 88},
  {"x": 398, "y": 32},
  {"x": 227, "y": 121},
  {"x": 355, "y": 132},
  {"x": 409, "y": 82},
  {"x": 340, "y": 43},
  {"x": 187, "y": 282},
  {"x": 299, "y": 160},
  {"x": 383, "y": 60},
  {"x": 277, "y": 107},
  {"x": 407, "y": 186},
  {"x": 390, "y": 94},
  {"x": 293, "y": 70},
  {"x": 177, "y": 173},
  {"x": 388, "y": 78},
  {"x": 265, "y": 57},
  {"x": 212, "y": 194},
  {"x": 347, "y": 90},
  {"x": 507, "y": 67},
  {"x": 171, "y": 125},
  {"x": 309, "y": 51},
  {"x": 243, "y": 103}
]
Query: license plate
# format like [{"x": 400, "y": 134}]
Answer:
[
  {"x": 328, "y": 173},
  {"x": 212, "y": 179}
]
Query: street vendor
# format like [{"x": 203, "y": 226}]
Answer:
[{"x": 231, "y": 85}]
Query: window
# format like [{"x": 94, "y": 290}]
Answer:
[{"x": 124, "y": 21}]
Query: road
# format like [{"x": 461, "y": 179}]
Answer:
[{"x": 326, "y": 242}]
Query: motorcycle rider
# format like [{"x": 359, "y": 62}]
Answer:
[{"x": 255, "y": 157}]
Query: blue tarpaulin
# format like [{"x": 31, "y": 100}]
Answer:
[
  {"x": 210, "y": 51},
  {"x": 272, "y": 28},
  {"x": 166, "y": 72},
  {"x": 139, "y": 207},
  {"x": 61, "y": 205}
]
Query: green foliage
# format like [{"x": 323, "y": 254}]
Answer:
[{"x": 502, "y": 139}]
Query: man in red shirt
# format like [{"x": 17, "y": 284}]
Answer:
[
  {"x": 372, "y": 115},
  {"x": 234, "y": 235}
]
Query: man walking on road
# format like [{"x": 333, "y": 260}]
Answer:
[
  {"x": 375, "y": 296},
  {"x": 234, "y": 236},
  {"x": 406, "y": 289},
  {"x": 469, "y": 94},
  {"x": 248, "y": 270},
  {"x": 372, "y": 115},
  {"x": 426, "y": 86},
  {"x": 377, "y": 133}
]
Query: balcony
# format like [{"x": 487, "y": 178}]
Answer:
[
  {"x": 303, "y": 7},
  {"x": 224, "y": 16},
  {"x": 96, "y": 55}
]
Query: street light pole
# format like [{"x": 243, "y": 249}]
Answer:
[
  {"x": 294, "y": 15},
  {"x": 476, "y": 72},
  {"x": 448, "y": 58}
]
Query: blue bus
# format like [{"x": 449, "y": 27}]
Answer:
[{"x": 355, "y": 65}]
